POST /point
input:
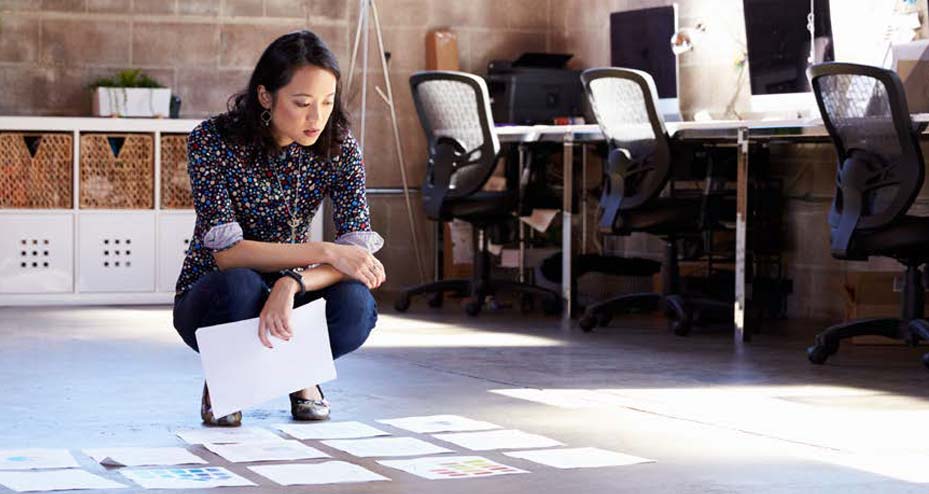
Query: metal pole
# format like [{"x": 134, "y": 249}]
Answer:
[{"x": 364, "y": 70}]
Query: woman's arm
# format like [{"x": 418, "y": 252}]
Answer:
[{"x": 272, "y": 256}]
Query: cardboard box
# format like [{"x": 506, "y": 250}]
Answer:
[
  {"x": 911, "y": 62},
  {"x": 873, "y": 294},
  {"x": 442, "y": 50}
]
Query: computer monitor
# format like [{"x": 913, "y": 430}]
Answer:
[
  {"x": 778, "y": 54},
  {"x": 641, "y": 39}
]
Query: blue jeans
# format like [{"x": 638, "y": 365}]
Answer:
[{"x": 236, "y": 294}]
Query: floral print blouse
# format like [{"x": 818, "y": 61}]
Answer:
[{"x": 243, "y": 194}]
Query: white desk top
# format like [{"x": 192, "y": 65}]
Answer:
[{"x": 529, "y": 133}]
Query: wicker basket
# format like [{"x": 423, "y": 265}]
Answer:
[
  {"x": 117, "y": 171},
  {"x": 35, "y": 170},
  {"x": 175, "y": 182}
]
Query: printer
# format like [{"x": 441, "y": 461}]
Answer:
[{"x": 536, "y": 88}]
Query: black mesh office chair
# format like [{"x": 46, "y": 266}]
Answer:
[
  {"x": 880, "y": 172},
  {"x": 454, "y": 109},
  {"x": 639, "y": 169}
]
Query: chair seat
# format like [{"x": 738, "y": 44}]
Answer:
[
  {"x": 663, "y": 216},
  {"x": 906, "y": 238},
  {"x": 483, "y": 206}
]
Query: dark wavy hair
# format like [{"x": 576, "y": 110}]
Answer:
[{"x": 242, "y": 121}]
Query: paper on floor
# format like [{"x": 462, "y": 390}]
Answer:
[
  {"x": 273, "y": 451},
  {"x": 184, "y": 478},
  {"x": 329, "y": 472},
  {"x": 225, "y": 435},
  {"x": 330, "y": 430},
  {"x": 241, "y": 372},
  {"x": 386, "y": 446},
  {"x": 439, "y": 423},
  {"x": 55, "y": 480},
  {"x": 137, "y": 457},
  {"x": 578, "y": 458},
  {"x": 451, "y": 467},
  {"x": 501, "y": 439},
  {"x": 35, "y": 458}
]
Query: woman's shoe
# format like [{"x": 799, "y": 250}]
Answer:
[
  {"x": 302, "y": 409},
  {"x": 206, "y": 413}
]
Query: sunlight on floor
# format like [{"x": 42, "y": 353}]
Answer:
[
  {"x": 400, "y": 332},
  {"x": 863, "y": 429}
]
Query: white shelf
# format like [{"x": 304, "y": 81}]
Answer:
[
  {"x": 76, "y": 274},
  {"x": 97, "y": 124}
]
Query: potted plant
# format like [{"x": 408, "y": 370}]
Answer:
[{"x": 130, "y": 93}]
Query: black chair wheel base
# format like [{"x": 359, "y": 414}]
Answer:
[
  {"x": 435, "y": 301},
  {"x": 817, "y": 354},
  {"x": 680, "y": 317},
  {"x": 551, "y": 306},
  {"x": 402, "y": 303},
  {"x": 526, "y": 303},
  {"x": 472, "y": 307},
  {"x": 821, "y": 351},
  {"x": 587, "y": 322}
]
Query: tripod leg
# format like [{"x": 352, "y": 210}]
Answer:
[{"x": 393, "y": 118}]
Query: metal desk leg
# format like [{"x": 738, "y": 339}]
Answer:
[
  {"x": 741, "y": 229},
  {"x": 567, "y": 217},
  {"x": 583, "y": 199},
  {"x": 522, "y": 226}
]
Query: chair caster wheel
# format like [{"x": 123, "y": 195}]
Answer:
[
  {"x": 473, "y": 307},
  {"x": 588, "y": 322},
  {"x": 817, "y": 354},
  {"x": 402, "y": 303},
  {"x": 435, "y": 301},
  {"x": 551, "y": 306},
  {"x": 679, "y": 316},
  {"x": 526, "y": 304}
]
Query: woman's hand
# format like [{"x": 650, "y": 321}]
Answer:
[
  {"x": 359, "y": 264},
  {"x": 275, "y": 315}
]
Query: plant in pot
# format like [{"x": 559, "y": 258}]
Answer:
[{"x": 130, "y": 93}]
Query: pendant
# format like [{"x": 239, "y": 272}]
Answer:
[{"x": 294, "y": 224}]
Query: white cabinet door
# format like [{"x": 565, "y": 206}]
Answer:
[
  {"x": 117, "y": 252},
  {"x": 36, "y": 253},
  {"x": 174, "y": 233}
]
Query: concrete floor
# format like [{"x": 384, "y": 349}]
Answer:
[{"x": 716, "y": 420}]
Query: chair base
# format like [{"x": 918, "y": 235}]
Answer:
[
  {"x": 911, "y": 332},
  {"x": 478, "y": 290},
  {"x": 683, "y": 312}
]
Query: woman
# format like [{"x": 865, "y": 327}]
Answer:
[{"x": 258, "y": 174}]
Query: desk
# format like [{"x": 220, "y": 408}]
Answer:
[{"x": 740, "y": 132}]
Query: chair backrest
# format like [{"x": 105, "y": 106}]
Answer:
[
  {"x": 880, "y": 165},
  {"x": 624, "y": 102},
  {"x": 454, "y": 110}
]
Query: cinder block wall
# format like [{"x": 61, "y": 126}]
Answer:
[
  {"x": 50, "y": 50},
  {"x": 205, "y": 49}
]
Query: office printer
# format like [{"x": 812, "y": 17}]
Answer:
[{"x": 536, "y": 88}]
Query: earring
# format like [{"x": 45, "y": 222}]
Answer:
[{"x": 266, "y": 118}]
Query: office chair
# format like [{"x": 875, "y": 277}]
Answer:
[
  {"x": 454, "y": 110},
  {"x": 639, "y": 168},
  {"x": 880, "y": 172}
]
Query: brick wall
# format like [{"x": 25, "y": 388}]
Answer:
[
  {"x": 205, "y": 49},
  {"x": 50, "y": 50}
]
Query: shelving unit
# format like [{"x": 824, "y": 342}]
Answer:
[{"x": 102, "y": 247}]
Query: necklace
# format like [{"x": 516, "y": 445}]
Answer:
[{"x": 294, "y": 221}]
